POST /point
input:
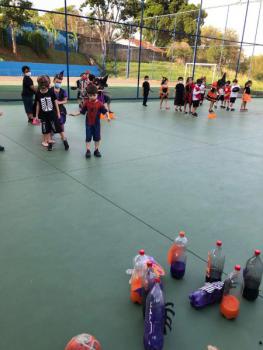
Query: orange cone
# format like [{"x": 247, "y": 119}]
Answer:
[{"x": 212, "y": 115}]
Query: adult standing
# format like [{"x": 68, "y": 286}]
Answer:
[{"x": 28, "y": 93}]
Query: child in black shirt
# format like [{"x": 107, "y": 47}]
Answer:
[
  {"x": 145, "y": 90},
  {"x": 28, "y": 93},
  {"x": 47, "y": 110},
  {"x": 179, "y": 95}
]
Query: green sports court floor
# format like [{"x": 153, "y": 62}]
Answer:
[{"x": 69, "y": 227}]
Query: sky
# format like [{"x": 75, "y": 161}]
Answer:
[{"x": 216, "y": 17}]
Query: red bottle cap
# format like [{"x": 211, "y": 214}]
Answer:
[
  {"x": 237, "y": 267},
  {"x": 257, "y": 252},
  {"x": 219, "y": 243},
  {"x": 141, "y": 252},
  {"x": 157, "y": 280},
  {"x": 149, "y": 263},
  {"x": 181, "y": 233}
]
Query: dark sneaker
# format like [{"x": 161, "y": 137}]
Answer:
[
  {"x": 88, "y": 154},
  {"x": 232, "y": 109},
  {"x": 227, "y": 108},
  {"x": 2, "y": 149},
  {"x": 194, "y": 114},
  {"x": 97, "y": 153},
  {"x": 49, "y": 147},
  {"x": 211, "y": 111},
  {"x": 66, "y": 145},
  {"x": 215, "y": 106}
]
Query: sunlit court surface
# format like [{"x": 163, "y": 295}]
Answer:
[{"x": 71, "y": 226}]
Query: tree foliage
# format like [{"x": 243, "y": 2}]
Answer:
[
  {"x": 216, "y": 51},
  {"x": 15, "y": 17},
  {"x": 109, "y": 10},
  {"x": 180, "y": 51},
  {"x": 182, "y": 24}
]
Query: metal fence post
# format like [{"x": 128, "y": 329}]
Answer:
[
  {"x": 67, "y": 48},
  {"x": 242, "y": 40},
  {"x": 140, "y": 49},
  {"x": 255, "y": 39},
  {"x": 196, "y": 37}
]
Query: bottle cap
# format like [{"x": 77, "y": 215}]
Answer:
[
  {"x": 141, "y": 252},
  {"x": 157, "y": 280},
  {"x": 181, "y": 233},
  {"x": 149, "y": 263},
  {"x": 219, "y": 243},
  {"x": 257, "y": 252},
  {"x": 237, "y": 267}
]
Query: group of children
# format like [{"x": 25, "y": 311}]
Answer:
[
  {"x": 48, "y": 107},
  {"x": 189, "y": 96}
]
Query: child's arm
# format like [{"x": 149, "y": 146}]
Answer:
[
  {"x": 57, "y": 108},
  {"x": 63, "y": 102},
  {"x": 82, "y": 110},
  {"x": 37, "y": 110}
]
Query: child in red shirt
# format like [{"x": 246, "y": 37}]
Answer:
[
  {"x": 93, "y": 109},
  {"x": 227, "y": 95}
]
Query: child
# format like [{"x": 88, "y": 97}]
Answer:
[
  {"x": 227, "y": 95},
  {"x": 145, "y": 90},
  {"x": 203, "y": 88},
  {"x": 93, "y": 108},
  {"x": 1, "y": 147},
  {"x": 103, "y": 96},
  {"x": 234, "y": 93},
  {"x": 212, "y": 96},
  {"x": 179, "y": 94},
  {"x": 221, "y": 92},
  {"x": 164, "y": 93},
  {"x": 196, "y": 97},
  {"x": 28, "y": 93},
  {"x": 246, "y": 97},
  {"x": 47, "y": 109},
  {"x": 62, "y": 98},
  {"x": 189, "y": 86}
]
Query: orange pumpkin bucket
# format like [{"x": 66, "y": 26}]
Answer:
[
  {"x": 230, "y": 307},
  {"x": 212, "y": 115}
]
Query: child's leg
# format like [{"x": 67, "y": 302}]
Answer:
[
  {"x": 167, "y": 103},
  {"x": 97, "y": 145},
  {"x": 161, "y": 102},
  {"x": 87, "y": 146}
]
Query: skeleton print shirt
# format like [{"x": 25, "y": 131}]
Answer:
[{"x": 46, "y": 101}]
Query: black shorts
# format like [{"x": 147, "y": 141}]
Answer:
[
  {"x": 93, "y": 132},
  {"x": 196, "y": 103},
  {"x": 50, "y": 124},
  {"x": 221, "y": 98},
  {"x": 233, "y": 99},
  {"x": 28, "y": 104}
]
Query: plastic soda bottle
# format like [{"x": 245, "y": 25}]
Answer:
[
  {"x": 137, "y": 277},
  {"x": 215, "y": 264},
  {"x": 154, "y": 318},
  {"x": 148, "y": 283},
  {"x": 233, "y": 290},
  {"x": 253, "y": 276},
  {"x": 177, "y": 256}
]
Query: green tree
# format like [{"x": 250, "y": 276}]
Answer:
[
  {"x": 111, "y": 10},
  {"x": 15, "y": 17},
  {"x": 219, "y": 51},
  {"x": 183, "y": 19},
  {"x": 180, "y": 51},
  {"x": 54, "y": 22}
]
